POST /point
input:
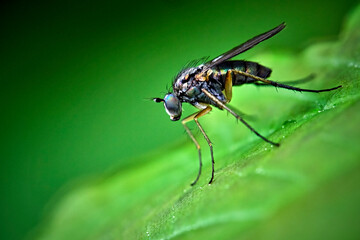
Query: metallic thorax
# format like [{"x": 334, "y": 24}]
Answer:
[{"x": 187, "y": 88}]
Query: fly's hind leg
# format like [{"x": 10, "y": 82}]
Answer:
[
  {"x": 228, "y": 86},
  {"x": 292, "y": 83},
  {"x": 195, "y": 117},
  {"x": 280, "y": 85}
]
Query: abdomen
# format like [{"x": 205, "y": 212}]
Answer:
[{"x": 219, "y": 71}]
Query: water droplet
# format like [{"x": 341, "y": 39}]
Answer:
[
  {"x": 265, "y": 149},
  {"x": 173, "y": 217},
  {"x": 282, "y": 126},
  {"x": 283, "y": 136}
]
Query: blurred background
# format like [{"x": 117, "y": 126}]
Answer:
[{"x": 76, "y": 78}]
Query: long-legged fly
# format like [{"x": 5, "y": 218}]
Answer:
[{"x": 210, "y": 84}]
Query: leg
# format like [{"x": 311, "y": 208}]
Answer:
[
  {"x": 217, "y": 101},
  {"x": 200, "y": 114},
  {"x": 184, "y": 121},
  {"x": 228, "y": 86},
  {"x": 276, "y": 84},
  {"x": 294, "y": 82},
  {"x": 242, "y": 114},
  {"x": 228, "y": 92}
]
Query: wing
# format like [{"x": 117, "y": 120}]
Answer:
[{"x": 244, "y": 47}]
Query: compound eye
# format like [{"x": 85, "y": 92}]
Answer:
[{"x": 173, "y": 106}]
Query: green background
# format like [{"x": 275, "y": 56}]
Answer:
[{"x": 76, "y": 78}]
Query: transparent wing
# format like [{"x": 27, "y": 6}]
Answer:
[{"x": 244, "y": 47}]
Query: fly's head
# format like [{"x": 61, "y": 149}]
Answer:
[
  {"x": 172, "y": 105},
  {"x": 182, "y": 87}
]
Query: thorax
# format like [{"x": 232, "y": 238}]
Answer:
[{"x": 189, "y": 89}]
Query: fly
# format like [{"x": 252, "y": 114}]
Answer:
[{"x": 210, "y": 84}]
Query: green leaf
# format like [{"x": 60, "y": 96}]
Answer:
[{"x": 305, "y": 189}]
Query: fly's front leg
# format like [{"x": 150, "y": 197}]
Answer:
[
  {"x": 184, "y": 121},
  {"x": 195, "y": 117},
  {"x": 198, "y": 115}
]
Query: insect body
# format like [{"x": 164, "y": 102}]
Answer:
[
  {"x": 189, "y": 82},
  {"x": 210, "y": 84}
]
